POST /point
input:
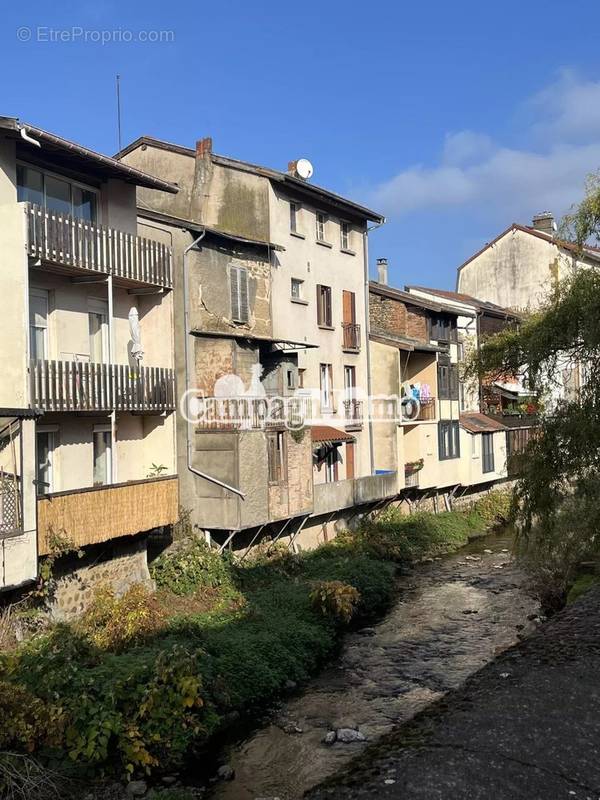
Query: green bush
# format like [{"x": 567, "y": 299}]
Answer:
[
  {"x": 335, "y": 599},
  {"x": 583, "y": 584},
  {"x": 189, "y": 566}
]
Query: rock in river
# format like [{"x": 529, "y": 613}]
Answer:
[{"x": 348, "y": 735}]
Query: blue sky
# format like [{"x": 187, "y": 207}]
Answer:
[{"x": 454, "y": 119}]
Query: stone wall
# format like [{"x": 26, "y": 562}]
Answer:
[
  {"x": 119, "y": 563},
  {"x": 393, "y": 316}
]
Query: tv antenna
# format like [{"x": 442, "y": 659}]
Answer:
[{"x": 119, "y": 110}]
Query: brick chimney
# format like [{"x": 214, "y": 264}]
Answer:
[
  {"x": 204, "y": 147},
  {"x": 544, "y": 222},
  {"x": 382, "y": 270}
]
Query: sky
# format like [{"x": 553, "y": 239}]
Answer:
[{"x": 452, "y": 119}]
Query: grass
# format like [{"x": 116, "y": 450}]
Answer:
[{"x": 140, "y": 681}]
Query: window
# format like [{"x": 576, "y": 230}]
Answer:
[
  {"x": 474, "y": 448},
  {"x": 324, "y": 306},
  {"x": 294, "y": 209},
  {"x": 487, "y": 449},
  {"x": 349, "y": 382},
  {"x": 345, "y": 235},
  {"x": 276, "y": 457},
  {"x": 301, "y": 373},
  {"x": 448, "y": 440},
  {"x": 45, "y": 460},
  {"x": 321, "y": 222},
  {"x": 38, "y": 324},
  {"x": 297, "y": 288},
  {"x": 448, "y": 383},
  {"x": 331, "y": 465},
  {"x": 102, "y": 455},
  {"x": 443, "y": 328},
  {"x": 326, "y": 378},
  {"x": 56, "y": 194},
  {"x": 238, "y": 277},
  {"x": 98, "y": 330},
  {"x": 291, "y": 379}
]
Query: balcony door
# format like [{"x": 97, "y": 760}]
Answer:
[
  {"x": 45, "y": 461},
  {"x": 98, "y": 330}
]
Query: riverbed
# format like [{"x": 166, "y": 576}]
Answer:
[{"x": 452, "y": 615}]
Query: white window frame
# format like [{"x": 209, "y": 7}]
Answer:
[
  {"x": 40, "y": 294},
  {"x": 299, "y": 283},
  {"x": 237, "y": 294},
  {"x": 345, "y": 235},
  {"x": 321, "y": 220},
  {"x": 474, "y": 446},
  {"x": 71, "y": 182},
  {"x": 326, "y": 386},
  {"x": 49, "y": 431},
  {"x": 97, "y": 305},
  {"x": 103, "y": 428}
]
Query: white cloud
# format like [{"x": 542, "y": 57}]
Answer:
[{"x": 474, "y": 172}]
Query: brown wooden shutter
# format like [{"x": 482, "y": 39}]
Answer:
[
  {"x": 349, "y": 460},
  {"x": 348, "y": 308}
]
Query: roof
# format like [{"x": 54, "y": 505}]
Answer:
[
  {"x": 459, "y": 297},
  {"x": 75, "y": 156},
  {"x": 474, "y": 422},
  {"x": 384, "y": 290},
  {"x": 277, "y": 176},
  {"x": 588, "y": 250},
  {"x": 404, "y": 342},
  {"x": 325, "y": 433},
  {"x": 516, "y": 420},
  {"x": 197, "y": 227}
]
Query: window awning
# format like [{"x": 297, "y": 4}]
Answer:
[{"x": 325, "y": 433}]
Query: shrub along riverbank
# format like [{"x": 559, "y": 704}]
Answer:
[{"x": 140, "y": 681}]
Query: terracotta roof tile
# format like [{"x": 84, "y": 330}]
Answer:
[{"x": 325, "y": 433}]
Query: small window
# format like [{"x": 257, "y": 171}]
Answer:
[
  {"x": 324, "y": 305},
  {"x": 448, "y": 382},
  {"x": 239, "y": 294},
  {"x": 294, "y": 209},
  {"x": 45, "y": 461},
  {"x": 326, "y": 381},
  {"x": 331, "y": 465},
  {"x": 301, "y": 373},
  {"x": 487, "y": 450},
  {"x": 38, "y": 324},
  {"x": 448, "y": 440},
  {"x": 321, "y": 222},
  {"x": 474, "y": 449},
  {"x": 291, "y": 379},
  {"x": 276, "y": 457},
  {"x": 443, "y": 328},
  {"x": 345, "y": 235},
  {"x": 297, "y": 289},
  {"x": 102, "y": 456}
]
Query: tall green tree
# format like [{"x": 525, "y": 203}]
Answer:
[{"x": 557, "y": 498}]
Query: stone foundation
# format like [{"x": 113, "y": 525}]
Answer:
[{"x": 119, "y": 563}]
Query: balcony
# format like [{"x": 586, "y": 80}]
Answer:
[
  {"x": 353, "y": 415},
  {"x": 251, "y": 413},
  {"x": 95, "y": 515},
  {"x": 351, "y": 337},
  {"x": 425, "y": 413},
  {"x": 76, "y": 245},
  {"x": 329, "y": 497},
  {"x": 85, "y": 386}
]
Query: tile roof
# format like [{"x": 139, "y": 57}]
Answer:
[
  {"x": 474, "y": 422},
  {"x": 459, "y": 297},
  {"x": 325, "y": 433}
]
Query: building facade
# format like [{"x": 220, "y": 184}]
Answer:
[{"x": 87, "y": 352}]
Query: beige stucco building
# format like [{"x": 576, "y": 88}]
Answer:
[{"x": 86, "y": 332}]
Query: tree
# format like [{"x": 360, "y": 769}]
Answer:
[{"x": 557, "y": 498}]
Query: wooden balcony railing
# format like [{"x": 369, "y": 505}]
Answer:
[
  {"x": 353, "y": 414},
  {"x": 427, "y": 412},
  {"x": 97, "y": 514},
  {"x": 84, "y": 386},
  {"x": 87, "y": 247},
  {"x": 351, "y": 334},
  {"x": 252, "y": 413}
]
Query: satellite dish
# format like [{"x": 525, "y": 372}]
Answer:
[{"x": 304, "y": 169}]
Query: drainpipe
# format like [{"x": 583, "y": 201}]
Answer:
[
  {"x": 186, "y": 351},
  {"x": 368, "y": 344},
  {"x": 113, "y": 413},
  {"x": 27, "y": 138}
]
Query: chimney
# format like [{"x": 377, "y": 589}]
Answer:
[
  {"x": 544, "y": 222},
  {"x": 292, "y": 167},
  {"x": 204, "y": 147},
  {"x": 382, "y": 270}
]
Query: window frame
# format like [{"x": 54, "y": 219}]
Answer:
[
  {"x": 48, "y": 431},
  {"x": 97, "y": 220},
  {"x": 453, "y": 452},
  {"x": 102, "y": 430},
  {"x": 321, "y": 220},
  {"x": 346, "y": 233},
  {"x": 324, "y": 306},
  {"x": 326, "y": 386},
  {"x": 40, "y": 294},
  {"x": 444, "y": 324},
  {"x": 276, "y": 458},
  {"x": 299, "y": 283},
  {"x": 487, "y": 453}
]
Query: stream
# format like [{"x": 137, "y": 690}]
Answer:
[{"x": 452, "y": 615}]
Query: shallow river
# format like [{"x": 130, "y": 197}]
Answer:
[{"x": 451, "y": 617}]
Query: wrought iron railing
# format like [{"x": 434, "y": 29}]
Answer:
[{"x": 351, "y": 336}]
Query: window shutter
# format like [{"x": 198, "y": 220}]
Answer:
[
  {"x": 235, "y": 294},
  {"x": 243, "y": 287}
]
